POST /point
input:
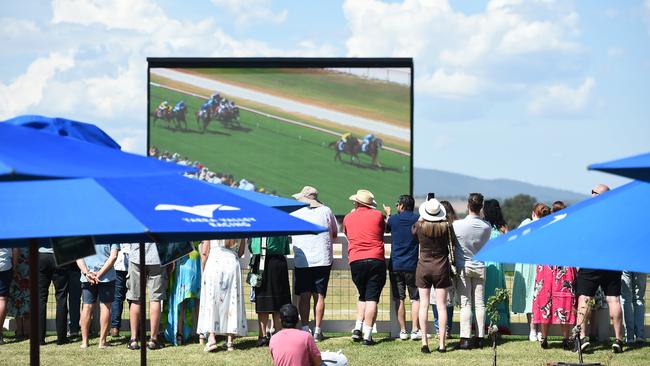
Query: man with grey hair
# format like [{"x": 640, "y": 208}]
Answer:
[
  {"x": 587, "y": 282},
  {"x": 313, "y": 258},
  {"x": 472, "y": 233}
]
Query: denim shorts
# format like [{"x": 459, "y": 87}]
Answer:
[{"x": 104, "y": 291}]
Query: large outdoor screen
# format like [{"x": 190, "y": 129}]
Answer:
[{"x": 276, "y": 125}]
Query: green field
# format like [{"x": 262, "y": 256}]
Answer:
[
  {"x": 513, "y": 351},
  {"x": 280, "y": 156},
  {"x": 349, "y": 93}
]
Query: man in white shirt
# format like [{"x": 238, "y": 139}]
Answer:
[
  {"x": 472, "y": 233},
  {"x": 313, "y": 258}
]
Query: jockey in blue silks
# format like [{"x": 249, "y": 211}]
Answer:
[
  {"x": 367, "y": 139},
  {"x": 179, "y": 106}
]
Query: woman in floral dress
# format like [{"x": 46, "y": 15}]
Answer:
[{"x": 18, "y": 304}]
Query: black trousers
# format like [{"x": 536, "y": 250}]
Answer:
[{"x": 50, "y": 273}]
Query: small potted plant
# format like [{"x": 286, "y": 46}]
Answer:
[{"x": 501, "y": 295}]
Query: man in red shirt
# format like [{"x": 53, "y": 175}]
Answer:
[{"x": 364, "y": 228}]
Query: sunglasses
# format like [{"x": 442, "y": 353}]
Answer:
[{"x": 595, "y": 193}]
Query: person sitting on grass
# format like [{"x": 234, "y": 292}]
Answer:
[
  {"x": 291, "y": 346},
  {"x": 98, "y": 282}
]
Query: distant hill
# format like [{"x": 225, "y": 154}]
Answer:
[{"x": 447, "y": 185}]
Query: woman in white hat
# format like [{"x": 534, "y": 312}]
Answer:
[{"x": 434, "y": 269}]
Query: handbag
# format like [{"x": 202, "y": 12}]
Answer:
[
  {"x": 254, "y": 278},
  {"x": 452, "y": 255}
]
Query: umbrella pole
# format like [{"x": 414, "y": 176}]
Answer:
[
  {"x": 143, "y": 307},
  {"x": 35, "y": 334}
]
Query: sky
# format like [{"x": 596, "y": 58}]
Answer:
[{"x": 528, "y": 90}]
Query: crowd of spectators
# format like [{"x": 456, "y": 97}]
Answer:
[{"x": 431, "y": 261}]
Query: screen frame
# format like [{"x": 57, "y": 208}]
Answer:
[{"x": 280, "y": 62}]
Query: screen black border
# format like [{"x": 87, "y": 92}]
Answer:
[{"x": 281, "y": 62}]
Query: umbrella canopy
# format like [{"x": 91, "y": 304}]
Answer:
[
  {"x": 609, "y": 231},
  {"x": 27, "y": 153},
  {"x": 66, "y": 127},
  {"x": 167, "y": 208},
  {"x": 281, "y": 203},
  {"x": 635, "y": 167}
]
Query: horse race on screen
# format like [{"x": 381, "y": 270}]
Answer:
[{"x": 275, "y": 130}]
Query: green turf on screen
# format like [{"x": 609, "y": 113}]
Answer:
[{"x": 279, "y": 156}]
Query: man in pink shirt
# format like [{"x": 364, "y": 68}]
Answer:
[
  {"x": 290, "y": 346},
  {"x": 364, "y": 227}
]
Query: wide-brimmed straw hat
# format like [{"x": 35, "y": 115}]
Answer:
[
  {"x": 308, "y": 195},
  {"x": 432, "y": 210},
  {"x": 364, "y": 197}
]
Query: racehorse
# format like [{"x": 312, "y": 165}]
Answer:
[
  {"x": 350, "y": 147},
  {"x": 373, "y": 150},
  {"x": 202, "y": 119},
  {"x": 161, "y": 114},
  {"x": 229, "y": 117},
  {"x": 353, "y": 147},
  {"x": 179, "y": 117}
]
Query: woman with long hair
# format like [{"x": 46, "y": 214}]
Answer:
[
  {"x": 495, "y": 276},
  {"x": 451, "y": 294},
  {"x": 222, "y": 311},
  {"x": 434, "y": 268}
]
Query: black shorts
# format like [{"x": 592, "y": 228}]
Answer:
[
  {"x": 589, "y": 279},
  {"x": 5, "y": 282},
  {"x": 369, "y": 275},
  {"x": 103, "y": 291},
  {"x": 400, "y": 281},
  {"x": 312, "y": 279}
]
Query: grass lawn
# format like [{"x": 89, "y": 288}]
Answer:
[
  {"x": 280, "y": 156},
  {"x": 512, "y": 351},
  {"x": 344, "y": 92}
]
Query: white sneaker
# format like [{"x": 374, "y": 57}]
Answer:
[
  {"x": 403, "y": 335},
  {"x": 416, "y": 335},
  {"x": 532, "y": 336}
]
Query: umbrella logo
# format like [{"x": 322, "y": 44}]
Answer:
[{"x": 198, "y": 210}]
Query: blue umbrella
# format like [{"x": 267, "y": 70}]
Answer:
[
  {"x": 66, "y": 127},
  {"x": 609, "y": 231},
  {"x": 281, "y": 203},
  {"x": 635, "y": 167},
  {"x": 169, "y": 208},
  {"x": 27, "y": 153}
]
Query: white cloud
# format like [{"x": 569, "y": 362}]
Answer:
[
  {"x": 27, "y": 89},
  {"x": 104, "y": 80},
  {"x": 450, "y": 85},
  {"x": 13, "y": 28},
  {"x": 114, "y": 14},
  {"x": 246, "y": 12},
  {"x": 435, "y": 31},
  {"x": 510, "y": 46},
  {"x": 563, "y": 101}
]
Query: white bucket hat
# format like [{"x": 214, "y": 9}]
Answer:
[
  {"x": 364, "y": 197},
  {"x": 432, "y": 210}
]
